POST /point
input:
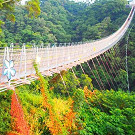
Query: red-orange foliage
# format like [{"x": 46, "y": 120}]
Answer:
[
  {"x": 56, "y": 126},
  {"x": 17, "y": 120},
  {"x": 69, "y": 119},
  {"x": 11, "y": 133}
]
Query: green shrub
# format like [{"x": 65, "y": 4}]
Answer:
[{"x": 5, "y": 118}]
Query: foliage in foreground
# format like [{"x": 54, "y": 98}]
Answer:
[
  {"x": 86, "y": 111},
  {"x": 5, "y": 101}
]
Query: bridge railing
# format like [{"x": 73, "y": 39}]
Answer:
[{"x": 57, "y": 56}]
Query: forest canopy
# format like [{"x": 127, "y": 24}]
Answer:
[
  {"x": 70, "y": 102},
  {"x": 61, "y": 21}
]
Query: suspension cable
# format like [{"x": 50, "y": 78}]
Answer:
[
  {"x": 87, "y": 100},
  {"x": 63, "y": 80},
  {"x": 93, "y": 91},
  {"x": 110, "y": 68},
  {"x": 116, "y": 68},
  {"x": 103, "y": 72},
  {"x": 82, "y": 69},
  {"x": 119, "y": 64},
  {"x": 98, "y": 74},
  {"x": 107, "y": 71},
  {"x": 76, "y": 77},
  {"x": 118, "y": 54},
  {"x": 110, "y": 61},
  {"x": 119, "y": 49},
  {"x": 114, "y": 64},
  {"x": 94, "y": 75}
]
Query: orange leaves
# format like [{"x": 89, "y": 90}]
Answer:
[
  {"x": 61, "y": 117},
  {"x": 18, "y": 122},
  {"x": 88, "y": 93},
  {"x": 60, "y": 112},
  {"x": 53, "y": 124},
  {"x": 45, "y": 98},
  {"x": 69, "y": 117},
  {"x": 12, "y": 133},
  {"x": 51, "y": 88},
  {"x": 61, "y": 121},
  {"x": 69, "y": 120}
]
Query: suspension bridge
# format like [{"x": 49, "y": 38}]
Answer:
[{"x": 16, "y": 64}]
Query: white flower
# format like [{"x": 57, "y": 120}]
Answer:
[{"x": 9, "y": 70}]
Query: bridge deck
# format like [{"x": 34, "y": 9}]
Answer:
[{"x": 55, "y": 59}]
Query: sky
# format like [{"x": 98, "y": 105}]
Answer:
[{"x": 133, "y": 2}]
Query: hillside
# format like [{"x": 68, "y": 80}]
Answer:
[
  {"x": 64, "y": 21},
  {"x": 72, "y": 102}
]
